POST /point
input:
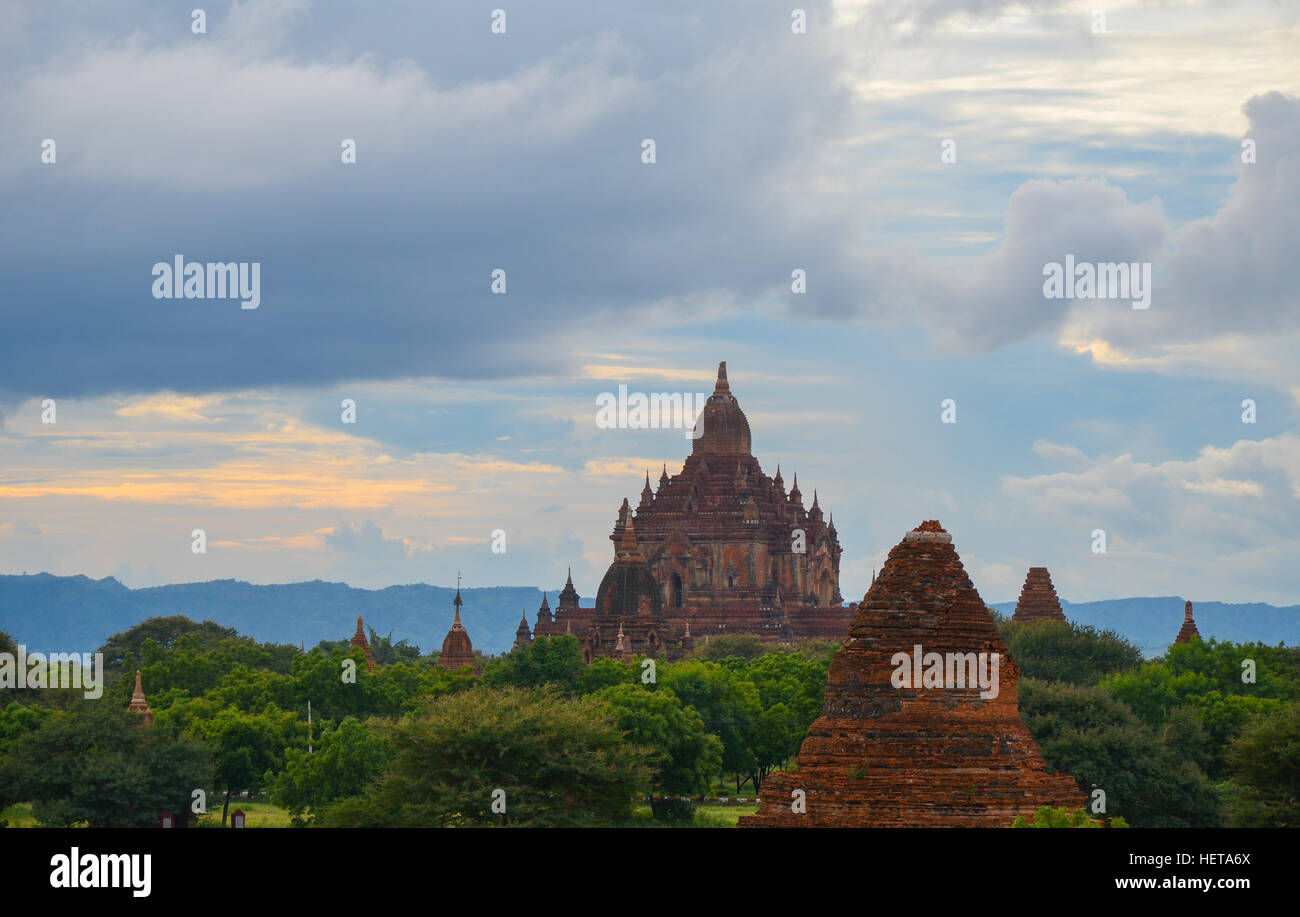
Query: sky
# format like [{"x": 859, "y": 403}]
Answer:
[{"x": 920, "y": 162}]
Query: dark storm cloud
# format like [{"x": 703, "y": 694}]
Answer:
[{"x": 226, "y": 150}]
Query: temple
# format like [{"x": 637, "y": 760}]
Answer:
[
  {"x": 139, "y": 705},
  {"x": 1038, "y": 601},
  {"x": 918, "y": 727},
  {"x": 523, "y": 636},
  {"x": 719, "y": 548},
  {"x": 359, "y": 640},
  {"x": 457, "y": 651},
  {"x": 1188, "y": 630}
]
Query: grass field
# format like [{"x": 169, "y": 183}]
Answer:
[
  {"x": 258, "y": 813},
  {"x": 19, "y": 815}
]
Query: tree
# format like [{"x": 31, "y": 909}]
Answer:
[
  {"x": 386, "y": 652},
  {"x": 165, "y": 632},
  {"x": 99, "y": 765},
  {"x": 543, "y": 758},
  {"x": 687, "y": 757},
  {"x": 344, "y": 760},
  {"x": 727, "y": 703},
  {"x": 1265, "y": 764},
  {"x": 1072, "y": 653},
  {"x": 790, "y": 692},
  {"x": 604, "y": 672},
  {"x": 246, "y": 747},
  {"x": 545, "y": 661},
  {"x": 1213, "y": 680},
  {"x": 1086, "y": 733}
]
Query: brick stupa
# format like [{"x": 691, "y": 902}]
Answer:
[
  {"x": 1188, "y": 630},
  {"x": 359, "y": 640},
  {"x": 139, "y": 705},
  {"x": 886, "y": 756},
  {"x": 1038, "y": 601},
  {"x": 457, "y": 650}
]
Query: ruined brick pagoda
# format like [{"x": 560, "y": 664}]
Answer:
[
  {"x": 1038, "y": 601},
  {"x": 917, "y": 756},
  {"x": 728, "y": 550},
  {"x": 359, "y": 641},
  {"x": 1188, "y": 630}
]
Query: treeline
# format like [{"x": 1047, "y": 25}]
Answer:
[
  {"x": 408, "y": 743},
  {"x": 1208, "y": 735}
]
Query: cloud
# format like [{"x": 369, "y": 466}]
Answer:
[
  {"x": 1235, "y": 498},
  {"x": 202, "y": 146},
  {"x": 367, "y": 541}
]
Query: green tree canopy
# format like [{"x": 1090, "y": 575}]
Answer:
[
  {"x": 164, "y": 632},
  {"x": 726, "y": 701},
  {"x": 687, "y": 757},
  {"x": 101, "y": 766},
  {"x": 1265, "y": 763},
  {"x": 246, "y": 747},
  {"x": 1072, "y": 653},
  {"x": 556, "y": 761},
  {"x": 546, "y": 661},
  {"x": 345, "y": 758},
  {"x": 1086, "y": 733}
]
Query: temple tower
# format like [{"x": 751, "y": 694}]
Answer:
[
  {"x": 139, "y": 705},
  {"x": 359, "y": 640},
  {"x": 1038, "y": 601},
  {"x": 1188, "y": 630},
  {"x": 457, "y": 650}
]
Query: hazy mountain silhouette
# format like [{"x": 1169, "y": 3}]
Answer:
[{"x": 75, "y": 613}]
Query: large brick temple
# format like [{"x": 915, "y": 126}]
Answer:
[{"x": 718, "y": 548}]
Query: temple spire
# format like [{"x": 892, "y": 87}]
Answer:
[
  {"x": 628, "y": 549},
  {"x": 138, "y": 703},
  {"x": 1188, "y": 630},
  {"x": 359, "y": 640},
  {"x": 723, "y": 385}
]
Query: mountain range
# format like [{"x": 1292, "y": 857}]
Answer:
[{"x": 50, "y": 613}]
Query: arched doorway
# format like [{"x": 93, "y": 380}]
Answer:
[{"x": 676, "y": 589}]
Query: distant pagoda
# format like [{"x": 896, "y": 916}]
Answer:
[
  {"x": 1188, "y": 630},
  {"x": 359, "y": 640},
  {"x": 523, "y": 636},
  {"x": 457, "y": 650},
  {"x": 139, "y": 705},
  {"x": 1038, "y": 601}
]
